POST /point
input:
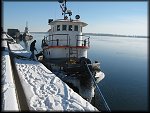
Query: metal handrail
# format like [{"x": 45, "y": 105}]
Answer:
[
  {"x": 85, "y": 42},
  {"x": 52, "y": 40}
]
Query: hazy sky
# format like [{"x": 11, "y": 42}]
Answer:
[{"x": 128, "y": 18}]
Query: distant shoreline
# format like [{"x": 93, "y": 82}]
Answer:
[
  {"x": 102, "y": 34},
  {"x": 115, "y": 35}
]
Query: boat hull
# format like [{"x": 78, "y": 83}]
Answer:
[{"x": 76, "y": 75}]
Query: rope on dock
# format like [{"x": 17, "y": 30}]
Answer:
[{"x": 105, "y": 103}]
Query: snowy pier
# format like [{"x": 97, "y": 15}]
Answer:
[
  {"x": 28, "y": 85},
  {"x": 8, "y": 89}
]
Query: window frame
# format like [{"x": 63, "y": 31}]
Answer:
[
  {"x": 70, "y": 28},
  {"x": 58, "y": 27},
  {"x": 76, "y": 28},
  {"x": 63, "y": 27}
]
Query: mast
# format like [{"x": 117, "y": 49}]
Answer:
[
  {"x": 27, "y": 24},
  {"x": 26, "y": 28}
]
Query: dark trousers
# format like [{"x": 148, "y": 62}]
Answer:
[{"x": 32, "y": 55}]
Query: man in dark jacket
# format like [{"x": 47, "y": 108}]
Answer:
[{"x": 32, "y": 48}]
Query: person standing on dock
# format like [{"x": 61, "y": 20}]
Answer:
[{"x": 32, "y": 48}]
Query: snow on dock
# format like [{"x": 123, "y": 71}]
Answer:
[
  {"x": 8, "y": 89},
  {"x": 44, "y": 91}
]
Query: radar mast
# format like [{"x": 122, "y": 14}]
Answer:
[{"x": 64, "y": 9}]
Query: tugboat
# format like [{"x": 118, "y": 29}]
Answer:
[
  {"x": 65, "y": 54},
  {"x": 26, "y": 35}
]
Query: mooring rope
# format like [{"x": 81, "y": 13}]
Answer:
[{"x": 105, "y": 103}]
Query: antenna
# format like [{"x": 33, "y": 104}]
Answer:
[
  {"x": 64, "y": 9},
  {"x": 61, "y": 1}
]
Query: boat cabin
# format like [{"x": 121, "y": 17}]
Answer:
[{"x": 65, "y": 39}]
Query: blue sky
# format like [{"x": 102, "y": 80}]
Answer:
[{"x": 128, "y": 18}]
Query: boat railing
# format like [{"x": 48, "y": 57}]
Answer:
[
  {"x": 64, "y": 40},
  {"x": 84, "y": 41},
  {"x": 53, "y": 41}
]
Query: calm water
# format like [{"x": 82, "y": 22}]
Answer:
[{"x": 125, "y": 64}]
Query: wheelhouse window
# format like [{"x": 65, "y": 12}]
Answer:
[
  {"x": 75, "y": 28},
  {"x": 58, "y": 27},
  {"x": 70, "y": 28},
  {"x": 64, "y": 27}
]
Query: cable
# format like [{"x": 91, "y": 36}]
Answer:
[{"x": 105, "y": 103}]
